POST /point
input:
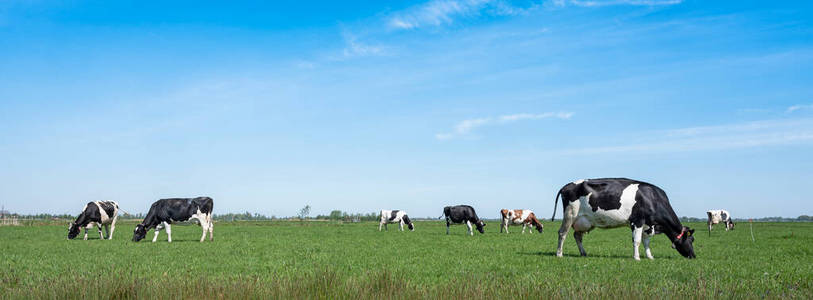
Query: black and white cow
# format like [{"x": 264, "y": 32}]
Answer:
[
  {"x": 617, "y": 202},
  {"x": 462, "y": 214},
  {"x": 717, "y": 216},
  {"x": 96, "y": 214},
  {"x": 165, "y": 211},
  {"x": 395, "y": 216}
]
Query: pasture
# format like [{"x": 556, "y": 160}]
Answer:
[{"x": 331, "y": 260}]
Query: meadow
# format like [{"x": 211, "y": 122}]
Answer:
[{"x": 287, "y": 259}]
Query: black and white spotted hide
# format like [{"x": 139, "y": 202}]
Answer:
[
  {"x": 395, "y": 216},
  {"x": 619, "y": 202},
  {"x": 96, "y": 214}
]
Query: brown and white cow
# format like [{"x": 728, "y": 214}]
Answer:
[{"x": 524, "y": 217}]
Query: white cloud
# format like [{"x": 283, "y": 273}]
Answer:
[
  {"x": 799, "y": 107},
  {"x": 354, "y": 48},
  {"x": 719, "y": 137},
  {"x": 598, "y": 3},
  {"x": 443, "y": 12},
  {"x": 465, "y": 127}
]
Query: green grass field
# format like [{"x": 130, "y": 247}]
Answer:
[{"x": 330, "y": 260}]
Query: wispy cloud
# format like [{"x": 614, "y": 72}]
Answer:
[
  {"x": 465, "y": 127},
  {"x": 356, "y": 48},
  {"x": 598, "y": 3},
  {"x": 443, "y": 12},
  {"x": 799, "y": 107},
  {"x": 719, "y": 137}
]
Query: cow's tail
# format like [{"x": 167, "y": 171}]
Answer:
[{"x": 556, "y": 204}]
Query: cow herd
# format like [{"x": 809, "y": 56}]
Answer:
[{"x": 586, "y": 204}]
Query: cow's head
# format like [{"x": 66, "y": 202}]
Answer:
[
  {"x": 730, "y": 225},
  {"x": 73, "y": 230},
  {"x": 139, "y": 233},
  {"x": 683, "y": 242},
  {"x": 408, "y": 222},
  {"x": 539, "y": 227},
  {"x": 480, "y": 224}
]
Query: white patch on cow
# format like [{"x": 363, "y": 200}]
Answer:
[
  {"x": 102, "y": 213},
  {"x": 608, "y": 218},
  {"x": 580, "y": 181}
]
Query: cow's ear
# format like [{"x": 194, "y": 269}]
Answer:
[{"x": 691, "y": 231}]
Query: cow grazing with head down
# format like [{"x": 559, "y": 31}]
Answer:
[
  {"x": 617, "y": 202},
  {"x": 96, "y": 214},
  {"x": 165, "y": 211},
  {"x": 395, "y": 216},
  {"x": 462, "y": 214},
  {"x": 524, "y": 217},
  {"x": 720, "y": 216}
]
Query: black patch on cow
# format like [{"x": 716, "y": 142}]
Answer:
[
  {"x": 393, "y": 214},
  {"x": 108, "y": 208},
  {"x": 408, "y": 222},
  {"x": 724, "y": 216},
  {"x": 606, "y": 195}
]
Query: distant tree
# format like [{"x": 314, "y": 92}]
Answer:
[
  {"x": 336, "y": 214},
  {"x": 305, "y": 212}
]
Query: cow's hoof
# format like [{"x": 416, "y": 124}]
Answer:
[
  {"x": 559, "y": 255},
  {"x": 637, "y": 258}
]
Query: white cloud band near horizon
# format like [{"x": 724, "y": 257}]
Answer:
[
  {"x": 753, "y": 134},
  {"x": 799, "y": 107},
  {"x": 465, "y": 127}
]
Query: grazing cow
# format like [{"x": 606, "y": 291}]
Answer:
[
  {"x": 462, "y": 214},
  {"x": 525, "y": 217},
  {"x": 720, "y": 216},
  {"x": 395, "y": 216},
  {"x": 617, "y": 202},
  {"x": 165, "y": 211},
  {"x": 96, "y": 214}
]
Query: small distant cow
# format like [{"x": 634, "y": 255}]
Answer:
[
  {"x": 720, "y": 216},
  {"x": 525, "y": 217},
  {"x": 618, "y": 202},
  {"x": 165, "y": 211},
  {"x": 96, "y": 214},
  {"x": 395, "y": 216},
  {"x": 462, "y": 214}
]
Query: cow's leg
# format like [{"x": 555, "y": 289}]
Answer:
[
  {"x": 401, "y": 226},
  {"x": 211, "y": 227},
  {"x": 380, "y": 225},
  {"x": 523, "y": 228},
  {"x": 447, "y": 226},
  {"x": 636, "y": 241},
  {"x": 157, "y": 230},
  {"x": 578, "y": 236},
  {"x": 468, "y": 224},
  {"x": 204, "y": 225},
  {"x": 646, "y": 238},
  {"x": 709, "y": 228},
  {"x": 107, "y": 230},
  {"x": 86, "y": 233},
  {"x": 99, "y": 228},
  {"x": 567, "y": 221},
  {"x": 112, "y": 228},
  {"x": 169, "y": 232}
]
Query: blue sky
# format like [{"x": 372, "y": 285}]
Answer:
[{"x": 406, "y": 105}]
